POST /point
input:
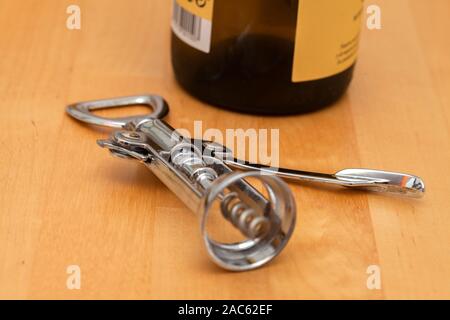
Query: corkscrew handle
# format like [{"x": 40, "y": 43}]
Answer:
[{"x": 364, "y": 179}]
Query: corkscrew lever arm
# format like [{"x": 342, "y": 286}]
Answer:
[{"x": 366, "y": 179}]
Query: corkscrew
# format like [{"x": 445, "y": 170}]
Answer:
[{"x": 201, "y": 174}]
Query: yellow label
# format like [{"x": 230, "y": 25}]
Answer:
[
  {"x": 201, "y": 8},
  {"x": 327, "y": 38}
]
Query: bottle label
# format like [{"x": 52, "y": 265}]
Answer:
[
  {"x": 192, "y": 22},
  {"x": 327, "y": 38},
  {"x": 326, "y": 42}
]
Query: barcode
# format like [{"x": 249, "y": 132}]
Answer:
[
  {"x": 189, "y": 23},
  {"x": 192, "y": 29}
]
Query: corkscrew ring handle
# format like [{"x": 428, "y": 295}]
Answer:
[{"x": 252, "y": 253}]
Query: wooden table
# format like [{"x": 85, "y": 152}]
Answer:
[{"x": 65, "y": 202}]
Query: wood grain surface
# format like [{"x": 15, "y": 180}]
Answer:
[{"x": 64, "y": 201}]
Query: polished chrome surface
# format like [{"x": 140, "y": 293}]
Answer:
[
  {"x": 82, "y": 110},
  {"x": 252, "y": 253},
  {"x": 200, "y": 173},
  {"x": 192, "y": 171},
  {"x": 364, "y": 179}
]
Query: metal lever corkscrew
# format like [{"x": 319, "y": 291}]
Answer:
[
  {"x": 199, "y": 179},
  {"x": 200, "y": 174}
]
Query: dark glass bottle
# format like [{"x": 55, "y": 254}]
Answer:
[{"x": 266, "y": 56}]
